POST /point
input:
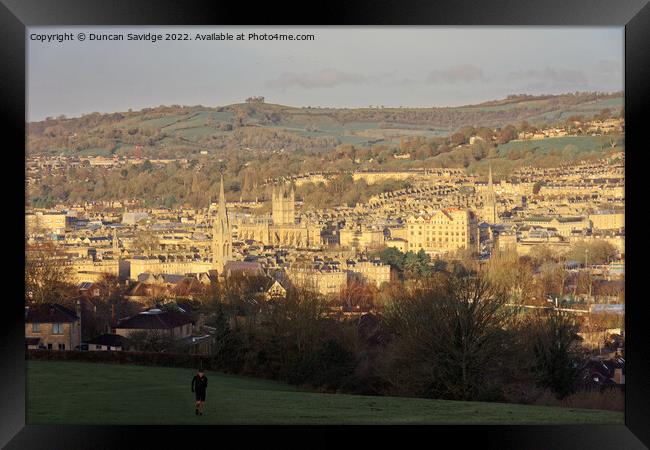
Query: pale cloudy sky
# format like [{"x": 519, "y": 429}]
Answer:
[{"x": 342, "y": 67}]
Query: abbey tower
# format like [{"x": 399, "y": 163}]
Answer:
[{"x": 283, "y": 209}]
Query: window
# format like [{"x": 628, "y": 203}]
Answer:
[
  {"x": 49, "y": 346},
  {"x": 98, "y": 347},
  {"x": 36, "y": 327},
  {"x": 61, "y": 346},
  {"x": 57, "y": 328}
]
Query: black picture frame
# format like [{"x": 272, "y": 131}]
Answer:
[{"x": 15, "y": 15}]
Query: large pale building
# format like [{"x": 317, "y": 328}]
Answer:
[
  {"x": 281, "y": 229},
  {"x": 372, "y": 272},
  {"x": 444, "y": 231},
  {"x": 88, "y": 270},
  {"x": 137, "y": 266},
  {"x": 361, "y": 237},
  {"x": 325, "y": 281},
  {"x": 53, "y": 222},
  {"x": 607, "y": 220},
  {"x": 564, "y": 226}
]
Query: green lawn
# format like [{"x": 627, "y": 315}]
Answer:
[{"x": 88, "y": 393}]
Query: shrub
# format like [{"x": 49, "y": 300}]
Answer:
[
  {"x": 328, "y": 366},
  {"x": 557, "y": 355},
  {"x": 612, "y": 399}
]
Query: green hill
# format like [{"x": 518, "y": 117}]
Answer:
[
  {"x": 577, "y": 144},
  {"x": 167, "y": 131},
  {"x": 87, "y": 393}
]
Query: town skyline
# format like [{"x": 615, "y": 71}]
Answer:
[{"x": 371, "y": 242}]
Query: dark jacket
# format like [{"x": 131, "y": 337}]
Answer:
[{"x": 199, "y": 384}]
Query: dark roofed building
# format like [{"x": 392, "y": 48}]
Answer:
[
  {"x": 49, "y": 313},
  {"x": 273, "y": 289},
  {"x": 177, "y": 324},
  {"x": 242, "y": 267},
  {"x": 108, "y": 342}
]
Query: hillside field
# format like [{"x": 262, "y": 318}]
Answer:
[
  {"x": 92, "y": 393},
  {"x": 580, "y": 144},
  {"x": 186, "y": 130}
]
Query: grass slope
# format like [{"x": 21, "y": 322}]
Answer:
[
  {"x": 582, "y": 144},
  {"x": 198, "y": 127},
  {"x": 87, "y": 393}
]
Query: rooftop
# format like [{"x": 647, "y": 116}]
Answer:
[
  {"x": 155, "y": 319},
  {"x": 49, "y": 313}
]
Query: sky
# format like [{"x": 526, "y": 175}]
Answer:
[{"x": 342, "y": 67}]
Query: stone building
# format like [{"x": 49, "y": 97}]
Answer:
[
  {"x": 328, "y": 281},
  {"x": 281, "y": 228},
  {"x": 138, "y": 266},
  {"x": 607, "y": 220},
  {"x": 373, "y": 272},
  {"x": 52, "y": 326},
  {"x": 283, "y": 206},
  {"x": 564, "y": 226},
  {"x": 444, "y": 231},
  {"x": 49, "y": 221},
  {"x": 361, "y": 237},
  {"x": 506, "y": 240}
]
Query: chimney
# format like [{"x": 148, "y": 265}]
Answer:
[{"x": 618, "y": 375}]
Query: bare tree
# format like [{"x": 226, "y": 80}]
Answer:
[
  {"x": 450, "y": 334},
  {"x": 48, "y": 277}
]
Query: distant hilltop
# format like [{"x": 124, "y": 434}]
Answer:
[{"x": 255, "y": 125}]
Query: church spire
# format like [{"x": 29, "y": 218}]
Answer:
[
  {"x": 221, "y": 239},
  {"x": 489, "y": 175},
  {"x": 222, "y": 199},
  {"x": 115, "y": 242},
  {"x": 490, "y": 205}
]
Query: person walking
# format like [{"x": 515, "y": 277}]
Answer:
[{"x": 199, "y": 386}]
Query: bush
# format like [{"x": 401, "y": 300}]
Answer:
[
  {"x": 141, "y": 358},
  {"x": 329, "y": 366},
  {"x": 264, "y": 359},
  {"x": 228, "y": 353},
  {"x": 557, "y": 355},
  {"x": 611, "y": 399}
]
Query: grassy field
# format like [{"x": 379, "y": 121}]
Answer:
[
  {"x": 87, "y": 393},
  {"x": 582, "y": 144}
]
